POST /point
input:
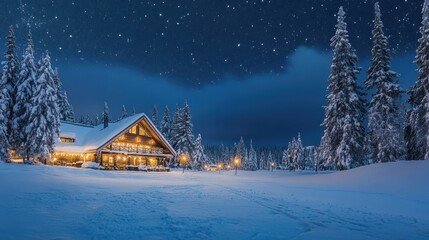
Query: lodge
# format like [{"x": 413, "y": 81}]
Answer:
[{"x": 123, "y": 145}]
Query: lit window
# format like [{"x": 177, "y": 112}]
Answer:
[
  {"x": 133, "y": 130},
  {"x": 67, "y": 140},
  {"x": 143, "y": 132}
]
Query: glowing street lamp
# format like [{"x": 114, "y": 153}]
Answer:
[
  {"x": 236, "y": 162},
  {"x": 183, "y": 161},
  {"x": 272, "y": 166},
  {"x": 219, "y": 167}
]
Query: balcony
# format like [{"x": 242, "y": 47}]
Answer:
[{"x": 134, "y": 148}]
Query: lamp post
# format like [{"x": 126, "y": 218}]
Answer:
[
  {"x": 272, "y": 167},
  {"x": 219, "y": 167},
  {"x": 183, "y": 161},
  {"x": 236, "y": 161}
]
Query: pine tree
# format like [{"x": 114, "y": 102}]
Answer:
[
  {"x": 185, "y": 137},
  {"x": 262, "y": 162},
  {"x": 285, "y": 158},
  {"x": 416, "y": 130},
  {"x": 198, "y": 156},
  {"x": 23, "y": 105},
  {"x": 383, "y": 115},
  {"x": 124, "y": 113},
  {"x": 97, "y": 119},
  {"x": 344, "y": 136},
  {"x": 4, "y": 140},
  {"x": 240, "y": 152},
  {"x": 106, "y": 117},
  {"x": 9, "y": 80},
  {"x": 270, "y": 161},
  {"x": 174, "y": 131},
  {"x": 252, "y": 160},
  {"x": 70, "y": 117},
  {"x": 298, "y": 154},
  {"x": 44, "y": 120},
  {"x": 155, "y": 116},
  {"x": 165, "y": 127},
  {"x": 63, "y": 103}
]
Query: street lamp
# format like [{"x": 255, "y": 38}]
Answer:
[
  {"x": 272, "y": 166},
  {"x": 219, "y": 167},
  {"x": 183, "y": 161},
  {"x": 236, "y": 162}
]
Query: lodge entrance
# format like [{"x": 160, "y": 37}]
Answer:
[{"x": 117, "y": 161}]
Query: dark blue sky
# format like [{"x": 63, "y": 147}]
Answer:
[{"x": 256, "y": 69}]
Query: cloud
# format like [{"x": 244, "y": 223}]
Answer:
[{"x": 269, "y": 108}]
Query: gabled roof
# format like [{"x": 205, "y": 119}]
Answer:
[{"x": 88, "y": 138}]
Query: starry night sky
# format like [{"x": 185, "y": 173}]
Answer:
[{"x": 256, "y": 69}]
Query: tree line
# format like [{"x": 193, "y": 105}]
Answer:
[
  {"x": 32, "y": 103},
  {"x": 346, "y": 143}
]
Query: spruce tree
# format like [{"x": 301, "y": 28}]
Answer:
[
  {"x": 344, "y": 135},
  {"x": 4, "y": 139},
  {"x": 185, "y": 137},
  {"x": 124, "y": 113},
  {"x": 199, "y": 158},
  {"x": 9, "y": 80},
  {"x": 174, "y": 131},
  {"x": 23, "y": 104},
  {"x": 165, "y": 126},
  {"x": 261, "y": 161},
  {"x": 106, "y": 117},
  {"x": 285, "y": 158},
  {"x": 383, "y": 115},
  {"x": 416, "y": 130},
  {"x": 63, "y": 103},
  {"x": 252, "y": 162},
  {"x": 240, "y": 152},
  {"x": 155, "y": 116},
  {"x": 44, "y": 120},
  {"x": 270, "y": 161},
  {"x": 97, "y": 119}
]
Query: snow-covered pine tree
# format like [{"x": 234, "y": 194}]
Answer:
[
  {"x": 199, "y": 158},
  {"x": 174, "y": 131},
  {"x": 155, "y": 116},
  {"x": 44, "y": 120},
  {"x": 165, "y": 126},
  {"x": 285, "y": 159},
  {"x": 4, "y": 139},
  {"x": 96, "y": 120},
  {"x": 23, "y": 103},
  {"x": 262, "y": 161},
  {"x": 10, "y": 79},
  {"x": 185, "y": 137},
  {"x": 383, "y": 115},
  {"x": 252, "y": 162},
  {"x": 270, "y": 161},
  {"x": 240, "y": 152},
  {"x": 344, "y": 136},
  {"x": 67, "y": 109},
  {"x": 124, "y": 113},
  {"x": 63, "y": 102},
  {"x": 106, "y": 117},
  {"x": 298, "y": 154},
  {"x": 416, "y": 130}
]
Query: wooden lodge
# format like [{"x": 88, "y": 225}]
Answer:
[{"x": 129, "y": 144}]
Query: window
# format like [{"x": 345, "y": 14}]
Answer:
[
  {"x": 67, "y": 140},
  {"x": 133, "y": 130},
  {"x": 143, "y": 132}
]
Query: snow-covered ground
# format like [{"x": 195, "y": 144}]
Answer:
[{"x": 384, "y": 201}]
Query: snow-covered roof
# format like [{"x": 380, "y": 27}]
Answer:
[{"x": 88, "y": 138}]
